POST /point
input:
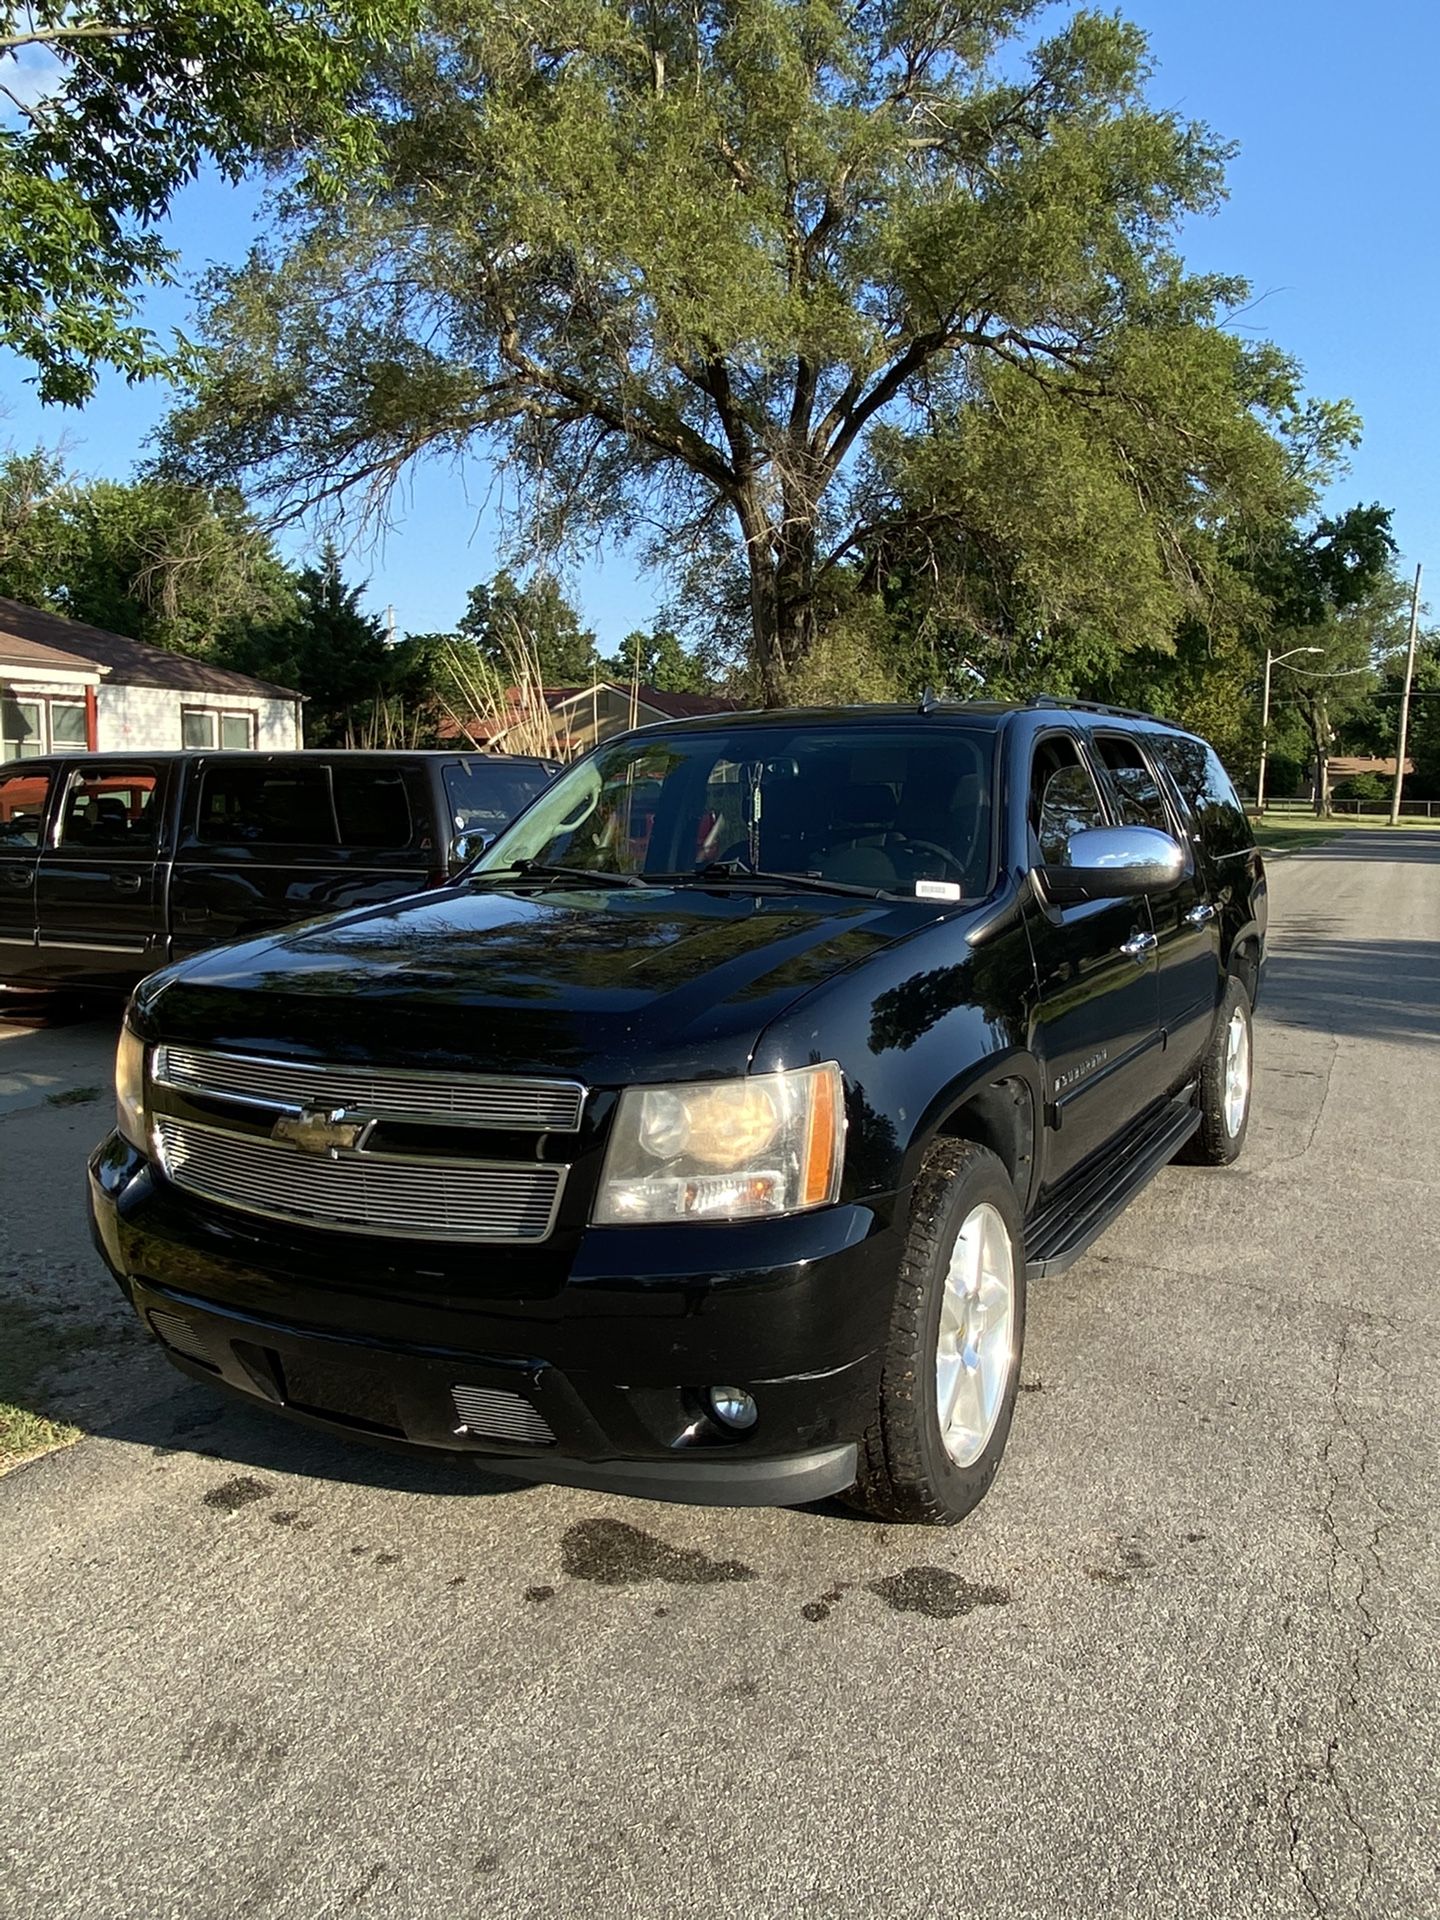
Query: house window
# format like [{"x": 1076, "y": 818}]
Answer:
[
  {"x": 67, "y": 724},
  {"x": 205, "y": 728},
  {"x": 22, "y": 729}
]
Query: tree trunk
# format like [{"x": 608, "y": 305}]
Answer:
[
  {"x": 782, "y": 604},
  {"x": 1320, "y": 740}
]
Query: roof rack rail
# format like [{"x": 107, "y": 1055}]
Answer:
[{"x": 1096, "y": 706}]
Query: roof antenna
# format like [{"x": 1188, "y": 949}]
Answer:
[{"x": 929, "y": 701}]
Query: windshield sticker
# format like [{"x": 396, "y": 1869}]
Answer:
[{"x": 936, "y": 890}]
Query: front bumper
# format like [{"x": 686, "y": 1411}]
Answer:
[{"x": 589, "y": 1365}]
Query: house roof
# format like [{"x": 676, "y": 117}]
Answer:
[
  {"x": 18, "y": 652},
  {"x": 1345, "y": 766},
  {"x": 675, "y": 706},
  {"x": 30, "y": 637}
]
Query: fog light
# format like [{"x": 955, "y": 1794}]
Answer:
[{"x": 733, "y": 1407}]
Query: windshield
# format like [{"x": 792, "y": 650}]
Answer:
[
  {"x": 895, "y": 807},
  {"x": 486, "y": 795}
]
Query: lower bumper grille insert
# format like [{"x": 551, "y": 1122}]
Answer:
[
  {"x": 184, "y": 1337},
  {"x": 486, "y": 1413}
]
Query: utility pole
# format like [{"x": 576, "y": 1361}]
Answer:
[{"x": 1405, "y": 705}]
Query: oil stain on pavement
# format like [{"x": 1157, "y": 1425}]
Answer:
[
  {"x": 611, "y": 1554},
  {"x": 231, "y": 1495},
  {"x": 936, "y": 1593}
]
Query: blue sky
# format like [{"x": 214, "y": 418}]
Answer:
[{"x": 1332, "y": 216}]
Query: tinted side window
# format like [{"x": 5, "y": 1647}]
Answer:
[
  {"x": 1063, "y": 798},
  {"x": 111, "y": 809},
  {"x": 1207, "y": 791},
  {"x": 22, "y": 808},
  {"x": 371, "y": 806},
  {"x": 1136, "y": 790},
  {"x": 485, "y": 798},
  {"x": 266, "y": 806}
]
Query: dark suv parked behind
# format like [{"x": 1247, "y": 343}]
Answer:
[
  {"x": 113, "y": 863},
  {"x": 701, "y": 1140}
]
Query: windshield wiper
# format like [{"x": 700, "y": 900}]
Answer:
[
  {"x": 545, "y": 870},
  {"x": 722, "y": 871}
]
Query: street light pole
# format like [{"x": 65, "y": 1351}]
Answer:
[
  {"x": 1264, "y": 739},
  {"x": 1405, "y": 706},
  {"x": 1271, "y": 660}
]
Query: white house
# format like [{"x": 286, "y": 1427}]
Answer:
[{"x": 68, "y": 686}]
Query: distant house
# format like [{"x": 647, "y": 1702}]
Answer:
[
  {"x": 578, "y": 717},
  {"x": 69, "y": 687},
  {"x": 1346, "y": 766}
]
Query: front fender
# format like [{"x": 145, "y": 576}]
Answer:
[{"x": 919, "y": 1030}]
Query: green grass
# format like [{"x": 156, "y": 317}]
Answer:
[
  {"x": 23, "y": 1435},
  {"x": 1293, "y": 832},
  {"x": 35, "y": 1343}
]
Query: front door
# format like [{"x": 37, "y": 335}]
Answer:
[
  {"x": 1097, "y": 1015},
  {"x": 99, "y": 886},
  {"x": 1186, "y": 919},
  {"x": 24, "y": 799}
]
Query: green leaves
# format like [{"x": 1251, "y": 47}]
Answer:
[
  {"x": 819, "y": 275},
  {"x": 134, "y": 99}
]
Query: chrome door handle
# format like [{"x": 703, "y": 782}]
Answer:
[
  {"x": 1139, "y": 944},
  {"x": 1197, "y": 916}
]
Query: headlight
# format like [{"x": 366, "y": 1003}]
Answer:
[
  {"x": 130, "y": 1088},
  {"x": 725, "y": 1149}
]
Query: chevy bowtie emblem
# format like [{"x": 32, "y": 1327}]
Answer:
[{"x": 320, "y": 1130}]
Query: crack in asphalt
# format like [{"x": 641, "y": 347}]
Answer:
[
  {"x": 1289, "y": 1159},
  {"x": 1347, "y": 1596}
]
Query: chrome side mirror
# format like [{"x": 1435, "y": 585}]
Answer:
[
  {"x": 1114, "y": 863},
  {"x": 466, "y": 847}
]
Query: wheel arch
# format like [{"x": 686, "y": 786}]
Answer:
[
  {"x": 998, "y": 1105},
  {"x": 1245, "y": 959}
]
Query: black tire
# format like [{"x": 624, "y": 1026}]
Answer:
[
  {"x": 1215, "y": 1143},
  {"x": 906, "y": 1472}
]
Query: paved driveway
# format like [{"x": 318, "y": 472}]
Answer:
[{"x": 1185, "y": 1661}]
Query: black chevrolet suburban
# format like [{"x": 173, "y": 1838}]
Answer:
[
  {"x": 701, "y": 1139},
  {"x": 113, "y": 863}
]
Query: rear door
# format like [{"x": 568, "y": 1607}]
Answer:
[
  {"x": 269, "y": 839},
  {"x": 99, "y": 884},
  {"x": 25, "y": 791},
  {"x": 1186, "y": 919},
  {"x": 1098, "y": 1011}
]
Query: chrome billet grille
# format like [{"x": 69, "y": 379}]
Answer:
[
  {"x": 419, "y": 1197},
  {"x": 487, "y": 1413},
  {"x": 522, "y": 1106}
]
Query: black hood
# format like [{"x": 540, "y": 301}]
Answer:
[{"x": 611, "y": 986}]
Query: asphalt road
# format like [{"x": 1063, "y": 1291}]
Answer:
[{"x": 1184, "y": 1661}]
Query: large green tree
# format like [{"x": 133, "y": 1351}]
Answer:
[
  {"x": 510, "y": 621},
  {"x": 111, "y": 106},
  {"x": 329, "y": 649},
  {"x": 179, "y": 566},
  {"x": 715, "y": 267},
  {"x": 657, "y": 657},
  {"x": 1333, "y": 592}
]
